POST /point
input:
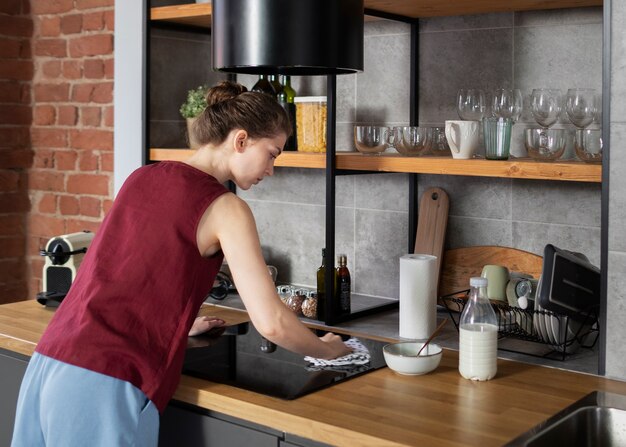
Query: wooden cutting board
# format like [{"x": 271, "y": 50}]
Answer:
[
  {"x": 432, "y": 222},
  {"x": 460, "y": 264},
  {"x": 230, "y": 316}
]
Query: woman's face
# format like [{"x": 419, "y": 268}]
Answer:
[{"x": 254, "y": 159}]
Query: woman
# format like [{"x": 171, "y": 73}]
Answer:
[{"x": 111, "y": 357}]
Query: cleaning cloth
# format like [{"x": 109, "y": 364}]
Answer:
[{"x": 359, "y": 356}]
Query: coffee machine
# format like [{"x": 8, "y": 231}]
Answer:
[{"x": 64, "y": 255}]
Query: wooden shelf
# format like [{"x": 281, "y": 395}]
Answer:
[
  {"x": 192, "y": 14},
  {"x": 286, "y": 159},
  {"x": 170, "y": 154},
  {"x": 520, "y": 168},
  {"x": 199, "y": 14},
  {"x": 437, "y": 8}
]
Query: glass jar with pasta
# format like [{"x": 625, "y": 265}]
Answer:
[{"x": 311, "y": 123}]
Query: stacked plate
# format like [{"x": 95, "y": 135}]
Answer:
[{"x": 558, "y": 330}]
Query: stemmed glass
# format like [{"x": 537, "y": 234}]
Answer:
[
  {"x": 471, "y": 104},
  {"x": 580, "y": 106},
  {"x": 545, "y": 105},
  {"x": 507, "y": 103}
]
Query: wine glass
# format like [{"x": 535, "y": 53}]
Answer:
[
  {"x": 580, "y": 106},
  {"x": 471, "y": 104},
  {"x": 507, "y": 103},
  {"x": 545, "y": 105}
]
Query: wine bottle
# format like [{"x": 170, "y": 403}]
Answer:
[
  {"x": 273, "y": 79},
  {"x": 263, "y": 85},
  {"x": 321, "y": 287},
  {"x": 286, "y": 98},
  {"x": 343, "y": 286}
]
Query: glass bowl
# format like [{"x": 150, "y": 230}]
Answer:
[
  {"x": 371, "y": 139},
  {"x": 588, "y": 145},
  {"x": 544, "y": 144},
  {"x": 439, "y": 146},
  {"x": 412, "y": 140}
]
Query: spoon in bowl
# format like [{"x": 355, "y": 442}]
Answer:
[{"x": 433, "y": 335}]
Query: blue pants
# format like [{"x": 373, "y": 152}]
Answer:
[{"x": 62, "y": 405}]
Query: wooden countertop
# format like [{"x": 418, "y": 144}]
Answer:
[{"x": 380, "y": 408}]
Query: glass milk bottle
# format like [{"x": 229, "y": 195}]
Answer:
[{"x": 478, "y": 339}]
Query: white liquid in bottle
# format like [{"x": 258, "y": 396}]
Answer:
[
  {"x": 478, "y": 351},
  {"x": 478, "y": 335}
]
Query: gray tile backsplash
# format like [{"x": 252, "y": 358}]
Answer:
[
  {"x": 522, "y": 50},
  {"x": 616, "y": 310},
  {"x": 618, "y": 63},
  {"x": 563, "y": 56},
  {"x": 616, "y": 284},
  {"x": 480, "y": 58},
  {"x": 179, "y": 61},
  {"x": 382, "y": 88},
  {"x": 466, "y": 22}
]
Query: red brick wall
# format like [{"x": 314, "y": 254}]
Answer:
[
  {"x": 70, "y": 178},
  {"x": 16, "y": 73}
]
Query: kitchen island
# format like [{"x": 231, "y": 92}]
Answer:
[{"x": 380, "y": 408}]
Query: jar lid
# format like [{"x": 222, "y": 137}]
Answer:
[
  {"x": 310, "y": 99},
  {"x": 478, "y": 282}
]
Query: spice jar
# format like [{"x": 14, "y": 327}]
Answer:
[
  {"x": 284, "y": 292},
  {"x": 309, "y": 306},
  {"x": 294, "y": 302}
]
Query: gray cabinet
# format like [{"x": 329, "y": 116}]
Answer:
[
  {"x": 186, "y": 425},
  {"x": 12, "y": 369}
]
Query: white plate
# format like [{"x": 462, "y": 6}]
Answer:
[
  {"x": 539, "y": 323},
  {"x": 563, "y": 331},
  {"x": 557, "y": 330},
  {"x": 547, "y": 324},
  {"x": 525, "y": 320}
]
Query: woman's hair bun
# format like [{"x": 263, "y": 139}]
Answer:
[{"x": 224, "y": 91}]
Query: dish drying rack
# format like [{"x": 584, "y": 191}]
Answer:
[{"x": 550, "y": 335}]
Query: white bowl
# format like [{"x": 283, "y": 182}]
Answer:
[{"x": 401, "y": 357}]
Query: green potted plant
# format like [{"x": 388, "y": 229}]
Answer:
[{"x": 193, "y": 107}]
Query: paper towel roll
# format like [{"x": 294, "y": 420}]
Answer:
[{"x": 418, "y": 296}]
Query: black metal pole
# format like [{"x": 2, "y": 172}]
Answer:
[
  {"x": 413, "y": 121},
  {"x": 331, "y": 309},
  {"x": 145, "y": 106},
  {"x": 604, "y": 207}
]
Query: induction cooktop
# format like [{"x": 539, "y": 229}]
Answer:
[{"x": 241, "y": 357}]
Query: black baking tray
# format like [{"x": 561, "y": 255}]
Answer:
[{"x": 570, "y": 284}]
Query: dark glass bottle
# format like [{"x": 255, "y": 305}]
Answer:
[
  {"x": 263, "y": 85},
  {"x": 321, "y": 287},
  {"x": 273, "y": 79},
  {"x": 343, "y": 286},
  {"x": 286, "y": 98}
]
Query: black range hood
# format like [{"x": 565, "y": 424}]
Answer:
[{"x": 292, "y": 37}]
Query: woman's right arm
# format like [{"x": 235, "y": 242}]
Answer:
[{"x": 229, "y": 221}]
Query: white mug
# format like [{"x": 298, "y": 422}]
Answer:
[{"x": 462, "y": 138}]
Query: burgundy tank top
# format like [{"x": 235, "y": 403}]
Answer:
[{"x": 141, "y": 283}]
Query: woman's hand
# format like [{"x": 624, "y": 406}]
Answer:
[
  {"x": 205, "y": 324},
  {"x": 336, "y": 343}
]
